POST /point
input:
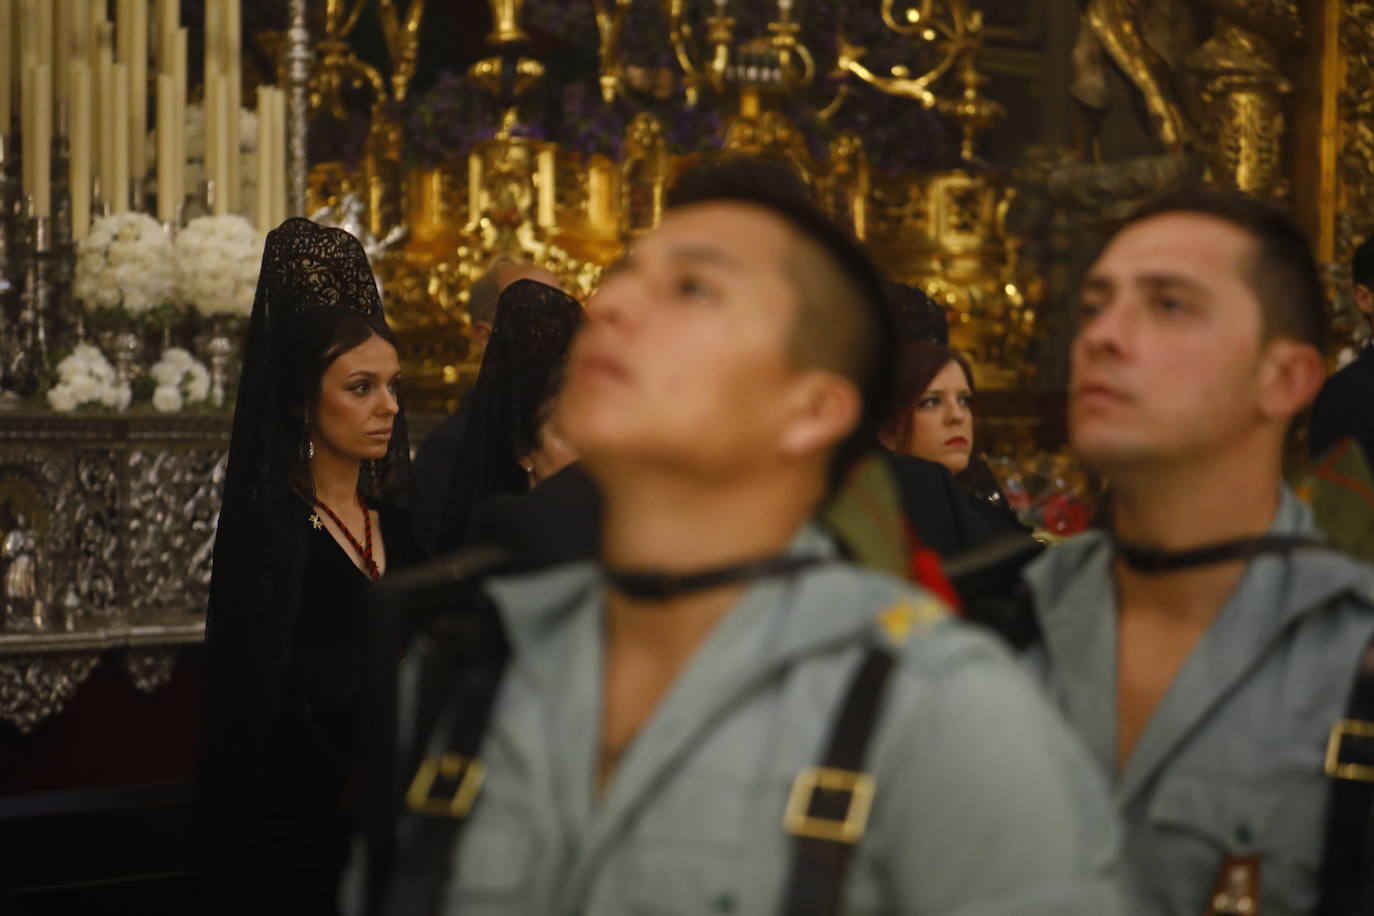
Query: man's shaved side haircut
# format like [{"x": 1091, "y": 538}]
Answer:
[
  {"x": 1281, "y": 270},
  {"x": 842, "y": 323}
]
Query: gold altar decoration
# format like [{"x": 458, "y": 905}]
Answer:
[
  {"x": 572, "y": 213},
  {"x": 1216, "y": 107}
]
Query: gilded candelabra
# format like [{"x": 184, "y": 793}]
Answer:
[{"x": 572, "y": 212}]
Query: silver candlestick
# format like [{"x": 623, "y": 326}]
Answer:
[
  {"x": 30, "y": 355},
  {"x": 221, "y": 348},
  {"x": 298, "y": 65},
  {"x": 126, "y": 345},
  {"x": 11, "y": 263}
]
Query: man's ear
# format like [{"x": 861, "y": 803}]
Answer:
[
  {"x": 822, "y": 408},
  {"x": 1364, "y": 300},
  {"x": 1291, "y": 374},
  {"x": 480, "y": 333}
]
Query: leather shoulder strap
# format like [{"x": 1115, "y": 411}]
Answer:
[
  {"x": 443, "y": 791},
  {"x": 1347, "y": 878},
  {"x": 828, "y": 809}
]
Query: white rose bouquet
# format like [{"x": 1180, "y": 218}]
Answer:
[
  {"x": 86, "y": 377},
  {"x": 217, "y": 261},
  {"x": 125, "y": 264},
  {"x": 180, "y": 378}
]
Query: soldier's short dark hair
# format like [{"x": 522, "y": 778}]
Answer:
[
  {"x": 842, "y": 322},
  {"x": 1281, "y": 270}
]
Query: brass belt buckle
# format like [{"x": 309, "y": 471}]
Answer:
[
  {"x": 465, "y": 773},
  {"x": 1348, "y": 728},
  {"x": 799, "y": 821}
]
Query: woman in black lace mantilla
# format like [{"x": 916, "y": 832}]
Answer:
[
  {"x": 314, "y": 496},
  {"x": 510, "y": 426}
]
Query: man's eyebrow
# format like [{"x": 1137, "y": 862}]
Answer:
[
  {"x": 1096, "y": 283},
  {"x": 1155, "y": 280},
  {"x": 1165, "y": 280},
  {"x": 706, "y": 254}
]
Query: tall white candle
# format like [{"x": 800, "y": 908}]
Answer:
[
  {"x": 79, "y": 33},
  {"x": 166, "y": 147},
  {"x": 179, "y": 77},
  {"x": 124, "y": 12},
  {"x": 26, "y": 133},
  {"x": 224, "y": 196},
  {"x": 62, "y": 51},
  {"x": 168, "y": 22},
  {"x": 262, "y": 159},
  {"x": 44, "y": 42},
  {"x": 278, "y": 156},
  {"x": 138, "y": 88},
  {"x": 80, "y": 148},
  {"x": 119, "y": 184},
  {"x": 212, "y": 108},
  {"x": 43, "y": 37},
  {"x": 104, "y": 106},
  {"x": 6, "y": 62},
  {"x": 28, "y": 60},
  {"x": 233, "y": 101},
  {"x": 95, "y": 19},
  {"x": 42, "y": 140},
  {"x": 214, "y": 19}
]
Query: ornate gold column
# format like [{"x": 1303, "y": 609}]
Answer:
[
  {"x": 1332, "y": 165},
  {"x": 1242, "y": 94}
]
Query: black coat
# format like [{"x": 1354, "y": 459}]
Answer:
[{"x": 1345, "y": 407}]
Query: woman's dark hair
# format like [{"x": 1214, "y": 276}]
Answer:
[
  {"x": 316, "y": 338},
  {"x": 918, "y": 362}
]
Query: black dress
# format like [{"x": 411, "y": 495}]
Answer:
[{"x": 316, "y": 748}]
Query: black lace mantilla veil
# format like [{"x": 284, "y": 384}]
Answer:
[
  {"x": 260, "y": 544},
  {"x": 521, "y": 369}
]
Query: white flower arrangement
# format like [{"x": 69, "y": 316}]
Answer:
[
  {"x": 126, "y": 262},
  {"x": 181, "y": 379},
  {"x": 217, "y": 261},
  {"x": 86, "y": 377}
]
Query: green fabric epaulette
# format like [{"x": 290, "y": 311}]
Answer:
[
  {"x": 1340, "y": 490},
  {"x": 866, "y": 515}
]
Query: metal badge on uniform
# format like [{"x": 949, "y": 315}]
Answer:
[
  {"x": 901, "y": 619},
  {"x": 1236, "y": 892}
]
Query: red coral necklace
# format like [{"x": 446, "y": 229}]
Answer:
[{"x": 364, "y": 549}]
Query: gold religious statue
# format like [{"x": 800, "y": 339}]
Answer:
[{"x": 1221, "y": 99}]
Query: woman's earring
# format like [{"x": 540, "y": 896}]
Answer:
[{"x": 308, "y": 449}]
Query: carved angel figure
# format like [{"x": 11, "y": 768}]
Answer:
[{"x": 17, "y": 553}]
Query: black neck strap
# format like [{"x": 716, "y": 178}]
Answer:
[
  {"x": 1157, "y": 561},
  {"x": 658, "y": 586}
]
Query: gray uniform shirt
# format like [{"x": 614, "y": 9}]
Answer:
[
  {"x": 1231, "y": 760},
  {"x": 984, "y": 802}
]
